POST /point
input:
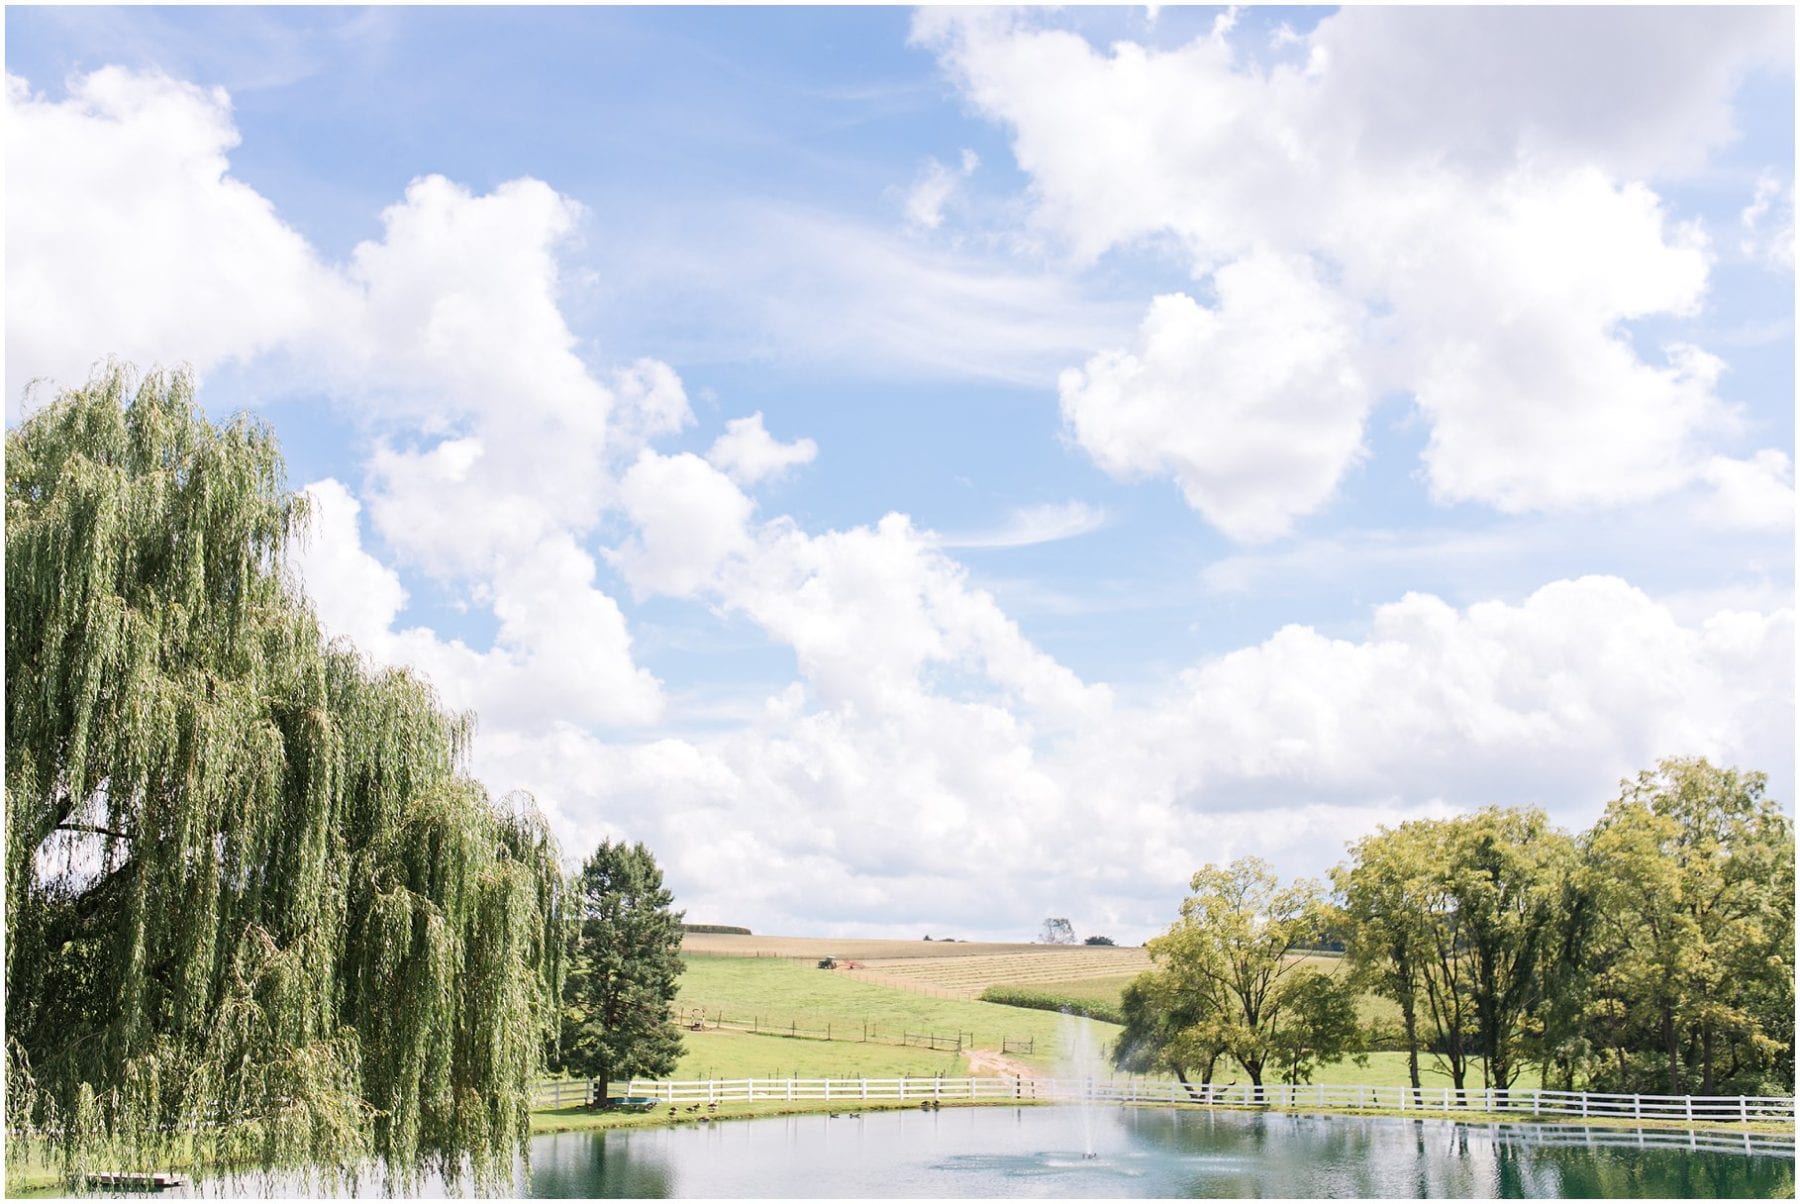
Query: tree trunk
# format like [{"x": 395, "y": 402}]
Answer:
[
  {"x": 601, "y": 1086},
  {"x": 1408, "y": 1015},
  {"x": 1672, "y": 1046},
  {"x": 1706, "y": 1059}
]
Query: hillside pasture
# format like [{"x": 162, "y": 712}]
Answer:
[
  {"x": 725, "y": 1054},
  {"x": 774, "y": 992}
]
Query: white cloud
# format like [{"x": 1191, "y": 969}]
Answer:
[
  {"x": 354, "y": 594},
  {"x": 1286, "y": 748},
  {"x": 933, "y": 189},
  {"x": 748, "y": 454},
  {"x": 133, "y": 239},
  {"x": 1757, "y": 493},
  {"x": 1437, "y": 163},
  {"x": 1026, "y": 526},
  {"x": 931, "y": 760},
  {"x": 689, "y": 519},
  {"x": 446, "y": 333},
  {"x": 1767, "y": 223},
  {"x": 1254, "y": 407}
]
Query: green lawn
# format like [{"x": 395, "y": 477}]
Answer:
[
  {"x": 779, "y": 992},
  {"x": 1381, "y": 1070},
  {"x": 730, "y": 1055}
]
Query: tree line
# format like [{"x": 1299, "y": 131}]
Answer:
[
  {"x": 1653, "y": 952},
  {"x": 258, "y": 912}
]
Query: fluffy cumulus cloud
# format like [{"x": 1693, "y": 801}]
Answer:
[
  {"x": 961, "y": 805},
  {"x": 1489, "y": 230},
  {"x": 132, "y": 208},
  {"x": 928, "y": 762},
  {"x": 1254, "y": 407},
  {"x": 445, "y": 332},
  {"x": 747, "y": 453}
]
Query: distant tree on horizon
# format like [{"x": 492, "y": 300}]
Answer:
[{"x": 1057, "y": 931}]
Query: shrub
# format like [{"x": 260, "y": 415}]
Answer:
[{"x": 1047, "y": 1001}]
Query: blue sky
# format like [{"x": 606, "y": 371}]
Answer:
[{"x": 927, "y": 471}]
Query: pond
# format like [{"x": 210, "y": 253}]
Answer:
[
  {"x": 1072, "y": 1152},
  {"x": 1148, "y": 1152}
]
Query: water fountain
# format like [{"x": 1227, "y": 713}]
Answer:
[{"x": 1079, "y": 1066}]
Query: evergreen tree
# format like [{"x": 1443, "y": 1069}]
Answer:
[
  {"x": 617, "y": 1009},
  {"x": 254, "y": 904}
]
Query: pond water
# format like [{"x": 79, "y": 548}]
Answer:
[
  {"x": 1073, "y": 1152},
  {"x": 1145, "y": 1152}
]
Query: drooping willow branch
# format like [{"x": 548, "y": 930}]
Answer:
[{"x": 307, "y": 934}]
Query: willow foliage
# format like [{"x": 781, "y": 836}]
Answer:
[{"x": 257, "y": 913}]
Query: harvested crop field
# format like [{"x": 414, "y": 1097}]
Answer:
[
  {"x": 864, "y": 949},
  {"x": 970, "y": 976},
  {"x": 958, "y": 969}
]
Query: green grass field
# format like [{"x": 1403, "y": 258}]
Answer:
[
  {"x": 778, "y": 992},
  {"x": 732, "y": 1055}
]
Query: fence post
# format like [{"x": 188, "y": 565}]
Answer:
[
  {"x": 1744, "y": 1108},
  {"x": 1637, "y": 1107},
  {"x": 790, "y": 1088},
  {"x": 1688, "y": 1102},
  {"x": 1584, "y": 1105}
]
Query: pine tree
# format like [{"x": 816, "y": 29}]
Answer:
[
  {"x": 622, "y": 975},
  {"x": 252, "y": 895}
]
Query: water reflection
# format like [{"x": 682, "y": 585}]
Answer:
[
  {"x": 1135, "y": 1152},
  {"x": 1146, "y": 1152}
]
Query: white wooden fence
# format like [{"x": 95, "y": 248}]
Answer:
[{"x": 558, "y": 1094}]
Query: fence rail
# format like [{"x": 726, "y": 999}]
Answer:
[{"x": 1740, "y": 1108}]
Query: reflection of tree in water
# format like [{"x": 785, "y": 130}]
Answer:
[
  {"x": 1528, "y": 1170},
  {"x": 1191, "y": 1154},
  {"x": 573, "y": 1166}
]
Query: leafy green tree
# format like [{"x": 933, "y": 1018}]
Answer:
[
  {"x": 1386, "y": 888},
  {"x": 1692, "y": 870},
  {"x": 1507, "y": 871},
  {"x": 618, "y": 1002},
  {"x": 1169, "y": 1026},
  {"x": 1407, "y": 937},
  {"x": 1234, "y": 945},
  {"x": 254, "y": 903},
  {"x": 1319, "y": 1024}
]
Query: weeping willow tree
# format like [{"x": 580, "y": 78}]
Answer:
[{"x": 257, "y": 913}]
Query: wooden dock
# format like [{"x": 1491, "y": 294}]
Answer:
[{"x": 136, "y": 1180}]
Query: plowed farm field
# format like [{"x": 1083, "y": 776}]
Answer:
[{"x": 955, "y": 968}]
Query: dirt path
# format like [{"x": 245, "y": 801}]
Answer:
[{"x": 988, "y": 1062}]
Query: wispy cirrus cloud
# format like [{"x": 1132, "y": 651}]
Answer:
[{"x": 1024, "y": 526}]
